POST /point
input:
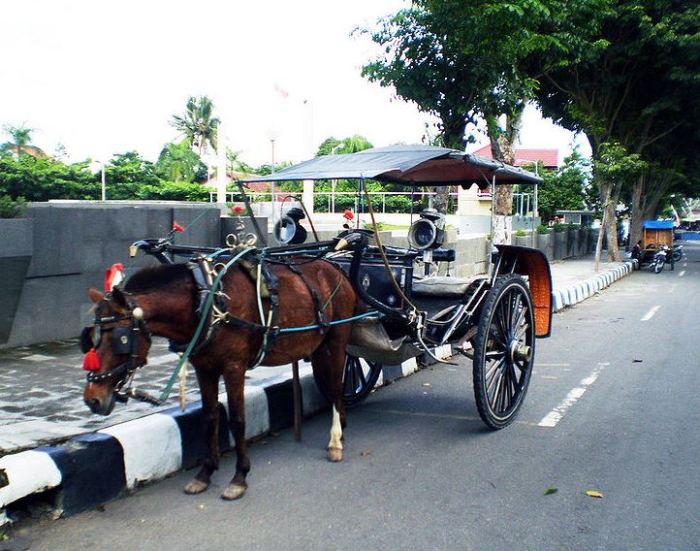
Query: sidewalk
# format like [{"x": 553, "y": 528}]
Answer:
[{"x": 41, "y": 405}]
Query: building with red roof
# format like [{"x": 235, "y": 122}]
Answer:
[{"x": 527, "y": 155}]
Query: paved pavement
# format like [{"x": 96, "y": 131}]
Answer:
[{"x": 41, "y": 385}]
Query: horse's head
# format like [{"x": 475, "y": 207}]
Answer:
[{"x": 115, "y": 347}]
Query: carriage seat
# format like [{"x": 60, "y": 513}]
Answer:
[{"x": 441, "y": 286}]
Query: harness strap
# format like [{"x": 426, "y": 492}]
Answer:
[{"x": 320, "y": 314}]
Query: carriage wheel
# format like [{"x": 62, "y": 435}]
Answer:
[
  {"x": 504, "y": 351},
  {"x": 359, "y": 378}
]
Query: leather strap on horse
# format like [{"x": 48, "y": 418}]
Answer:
[{"x": 318, "y": 307}]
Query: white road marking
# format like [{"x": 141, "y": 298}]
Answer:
[
  {"x": 682, "y": 273},
  {"x": 650, "y": 313},
  {"x": 553, "y": 417}
]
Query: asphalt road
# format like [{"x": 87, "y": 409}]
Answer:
[{"x": 612, "y": 407}]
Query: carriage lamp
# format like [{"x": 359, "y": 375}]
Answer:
[{"x": 428, "y": 232}]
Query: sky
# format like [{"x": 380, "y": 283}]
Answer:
[{"x": 105, "y": 77}]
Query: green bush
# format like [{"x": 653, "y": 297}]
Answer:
[
  {"x": 558, "y": 228},
  {"x": 542, "y": 229},
  {"x": 572, "y": 226},
  {"x": 12, "y": 208},
  {"x": 520, "y": 233}
]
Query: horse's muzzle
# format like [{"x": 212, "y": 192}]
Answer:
[{"x": 101, "y": 406}]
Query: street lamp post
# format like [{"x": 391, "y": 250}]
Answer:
[{"x": 104, "y": 183}]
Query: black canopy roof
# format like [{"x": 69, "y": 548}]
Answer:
[{"x": 408, "y": 165}]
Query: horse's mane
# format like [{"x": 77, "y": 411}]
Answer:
[{"x": 156, "y": 277}]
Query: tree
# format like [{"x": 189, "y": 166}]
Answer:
[
  {"x": 198, "y": 124},
  {"x": 126, "y": 173},
  {"x": 626, "y": 74},
  {"x": 461, "y": 61},
  {"x": 178, "y": 163},
  {"x": 563, "y": 189},
  {"x": 20, "y": 143}
]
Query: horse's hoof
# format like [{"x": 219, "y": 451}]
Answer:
[
  {"x": 233, "y": 491},
  {"x": 196, "y": 487},
  {"x": 335, "y": 455}
]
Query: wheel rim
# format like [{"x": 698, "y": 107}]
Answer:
[
  {"x": 508, "y": 353},
  {"x": 359, "y": 378}
]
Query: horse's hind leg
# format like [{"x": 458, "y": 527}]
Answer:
[
  {"x": 209, "y": 389},
  {"x": 328, "y": 362},
  {"x": 234, "y": 377}
]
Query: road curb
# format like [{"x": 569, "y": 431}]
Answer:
[
  {"x": 580, "y": 291},
  {"x": 94, "y": 468}
]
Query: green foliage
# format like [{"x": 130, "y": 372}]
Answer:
[
  {"x": 520, "y": 233},
  {"x": 558, "y": 228},
  {"x": 197, "y": 124},
  {"x": 565, "y": 188},
  {"x": 542, "y": 229},
  {"x": 126, "y": 173},
  {"x": 42, "y": 179},
  {"x": 353, "y": 144},
  {"x": 174, "y": 191},
  {"x": 178, "y": 163},
  {"x": 10, "y": 208}
]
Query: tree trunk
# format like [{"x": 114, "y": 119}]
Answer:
[
  {"x": 636, "y": 217},
  {"x": 441, "y": 198},
  {"x": 605, "y": 198},
  {"x": 502, "y": 203}
]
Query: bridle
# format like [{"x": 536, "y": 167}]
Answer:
[{"x": 124, "y": 342}]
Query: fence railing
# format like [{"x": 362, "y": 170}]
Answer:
[{"x": 523, "y": 203}]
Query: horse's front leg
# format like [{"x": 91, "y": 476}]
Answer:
[
  {"x": 234, "y": 377},
  {"x": 209, "y": 390}
]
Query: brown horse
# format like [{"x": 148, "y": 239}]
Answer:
[{"x": 162, "y": 301}]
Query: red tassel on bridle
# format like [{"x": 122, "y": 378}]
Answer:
[{"x": 91, "y": 361}]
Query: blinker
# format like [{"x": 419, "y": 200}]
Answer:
[
  {"x": 86, "y": 342},
  {"x": 121, "y": 340}
]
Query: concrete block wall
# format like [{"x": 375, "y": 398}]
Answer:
[{"x": 71, "y": 246}]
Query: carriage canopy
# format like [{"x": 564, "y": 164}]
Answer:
[{"x": 410, "y": 165}]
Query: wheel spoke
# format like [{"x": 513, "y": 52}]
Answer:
[{"x": 492, "y": 370}]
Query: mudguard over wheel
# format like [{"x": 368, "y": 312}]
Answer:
[
  {"x": 504, "y": 351},
  {"x": 359, "y": 378}
]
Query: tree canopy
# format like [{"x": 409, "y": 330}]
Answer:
[{"x": 198, "y": 124}]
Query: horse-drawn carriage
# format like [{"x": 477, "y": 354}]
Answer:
[{"x": 350, "y": 303}]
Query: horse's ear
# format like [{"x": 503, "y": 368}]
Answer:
[
  {"x": 95, "y": 295},
  {"x": 119, "y": 299}
]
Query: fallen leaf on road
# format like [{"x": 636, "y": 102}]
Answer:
[
  {"x": 636, "y": 361},
  {"x": 594, "y": 493},
  {"x": 550, "y": 491}
]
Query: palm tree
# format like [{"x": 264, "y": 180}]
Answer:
[
  {"x": 197, "y": 124},
  {"x": 20, "y": 143}
]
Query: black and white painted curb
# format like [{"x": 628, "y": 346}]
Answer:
[
  {"x": 580, "y": 291},
  {"x": 94, "y": 468}
]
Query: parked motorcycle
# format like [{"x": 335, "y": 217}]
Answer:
[{"x": 661, "y": 257}]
